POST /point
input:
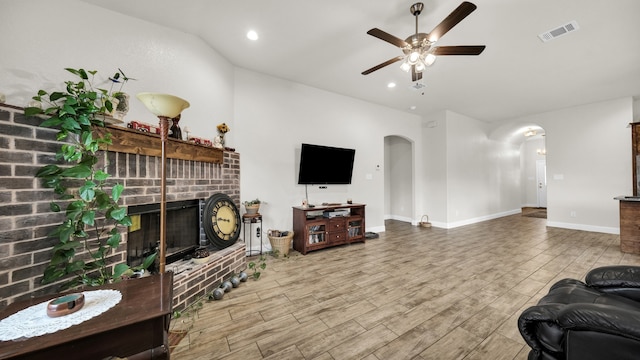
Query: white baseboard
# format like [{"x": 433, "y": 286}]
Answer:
[
  {"x": 530, "y": 205},
  {"x": 592, "y": 228},
  {"x": 377, "y": 229},
  {"x": 476, "y": 220},
  {"x": 399, "y": 218},
  {"x": 444, "y": 225}
]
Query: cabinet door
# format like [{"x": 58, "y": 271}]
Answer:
[
  {"x": 355, "y": 230},
  {"x": 316, "y": 234}
]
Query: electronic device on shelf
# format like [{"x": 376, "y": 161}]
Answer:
[{"x": 336, "y": 213}]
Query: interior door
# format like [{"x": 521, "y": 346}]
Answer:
[{"x": 541, "y": 181}]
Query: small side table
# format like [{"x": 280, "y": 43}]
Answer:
[
  {"x": 248, "y": 222},
  {"x": 140, "y": 323}
]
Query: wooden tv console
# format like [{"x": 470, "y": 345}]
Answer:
[{"x": 313, "y": 231}]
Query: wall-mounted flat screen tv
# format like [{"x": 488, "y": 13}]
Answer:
[{"x": 325, "y": 165}]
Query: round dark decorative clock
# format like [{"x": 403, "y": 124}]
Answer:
[{"x": 221, "y": 220}]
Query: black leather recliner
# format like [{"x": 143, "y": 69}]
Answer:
[{"x": 595, "y": 319}]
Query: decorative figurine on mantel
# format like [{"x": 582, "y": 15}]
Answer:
[
  {"x": 218, "y": 142},
  {"x": 176, "y": 133}
]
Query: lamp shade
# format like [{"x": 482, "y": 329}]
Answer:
[{"x": 163, "y": 104}]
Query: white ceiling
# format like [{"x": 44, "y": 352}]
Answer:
[{"x": 323, "y": 43}]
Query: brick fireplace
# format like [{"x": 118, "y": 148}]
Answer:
[{"x": 26, "y": 219}]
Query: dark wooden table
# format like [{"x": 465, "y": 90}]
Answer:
[{"x": 137, "y": 327}]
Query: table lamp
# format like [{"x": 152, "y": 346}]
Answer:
[{"x": 165, "y": 107}]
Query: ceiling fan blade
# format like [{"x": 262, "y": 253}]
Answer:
[
  {"x": 380, "y": 66},
  {"x": 459, "y": 50},
  {"x": 415, "y": 76},
  {"x": 452, "y": 20},
  {"x": 387, "y": 37}
]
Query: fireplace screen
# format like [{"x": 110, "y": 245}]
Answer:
[{"x": 183, "y": 230}]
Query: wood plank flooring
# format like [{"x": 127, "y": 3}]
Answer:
[{"x": 414, "y": 293}]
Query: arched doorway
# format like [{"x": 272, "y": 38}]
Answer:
[{"x": 398, "y": 179}]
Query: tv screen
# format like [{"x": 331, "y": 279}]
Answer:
[{"x": 325, "y": 165}]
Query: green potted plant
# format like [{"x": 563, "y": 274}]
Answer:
[
  {"x": 122, "y": 99},
  {"x": 90, "y": 229},
  {"x": 252, "y": 206}
]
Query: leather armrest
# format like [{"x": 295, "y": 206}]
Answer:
[
  {"x": 602, "y": 318},
  {"x": 539, "y": 329},
  {"x": 608, "y": 276},
  {"x": 623, "y": 280}
]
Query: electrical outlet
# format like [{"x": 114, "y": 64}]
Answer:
[{"x": 573, "y": 214}]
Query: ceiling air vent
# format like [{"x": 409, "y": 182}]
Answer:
[
  {"x": 417, "y": 86},
  {"x": 557, "y": 32}
]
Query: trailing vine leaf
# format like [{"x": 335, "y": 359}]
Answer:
[
  {"x": 89, "y": 217},
  {"x": 119, "y": 213},
  {"x": 119, "y": 270},
  {"x": 79, "y": 172},
  {"x": 54, "y": 207},
  {"x": 116, "y": 191},
  {"x": 48, "y": 170}
]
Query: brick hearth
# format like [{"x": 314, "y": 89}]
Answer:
[{"x": 26, "y": 218}]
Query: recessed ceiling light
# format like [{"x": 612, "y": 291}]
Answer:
[
  {"x": 412, "y": 107},
  {"x": 391, "y": 85},
  {"x": 252, "y": 35}
]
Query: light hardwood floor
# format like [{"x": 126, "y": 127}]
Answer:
[{"x": 413, "y": 293}]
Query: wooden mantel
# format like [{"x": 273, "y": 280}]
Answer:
[{"x": 136, "y": 142}]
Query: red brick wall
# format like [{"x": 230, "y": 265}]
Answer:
[{"x": 25, "y": 218}]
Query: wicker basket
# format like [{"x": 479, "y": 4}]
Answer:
[
  {"x": 280, "y": 243},
  {"x": 425, "y": 223}
]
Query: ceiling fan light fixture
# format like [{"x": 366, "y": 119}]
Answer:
[
  {"x": 414, "y": 56},
  {"x": 420, "y": 66},
  {"x": 406, "y": 67},
  {"x": 429, "y": 59}
]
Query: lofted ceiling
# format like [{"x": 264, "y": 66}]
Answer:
[{"x": 324, "y": 44}]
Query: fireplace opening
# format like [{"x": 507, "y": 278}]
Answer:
[{"x": 183, "y": 231}]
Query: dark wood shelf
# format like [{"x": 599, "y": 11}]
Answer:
[{"x": 136, "y": 142}]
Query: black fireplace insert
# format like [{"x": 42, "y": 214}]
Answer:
[{"x": 183, "y": 230}]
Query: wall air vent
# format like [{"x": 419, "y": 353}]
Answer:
[{"x": 557, "y": 32}]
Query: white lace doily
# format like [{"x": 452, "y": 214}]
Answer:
[{"x": 34, "y": 321}]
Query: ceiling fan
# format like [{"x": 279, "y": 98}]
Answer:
[{"x": 418, "y": 48}]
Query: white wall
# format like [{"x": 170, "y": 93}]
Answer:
[
  {"x": 469, "y": 177},
  {"x": 274, "y": 116},
  {"x": 43, "y": 37},
  {"x": 588, "y": 163},
  {"x": 484, "y": 175},
  {"x": 433, "y": 179}
]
